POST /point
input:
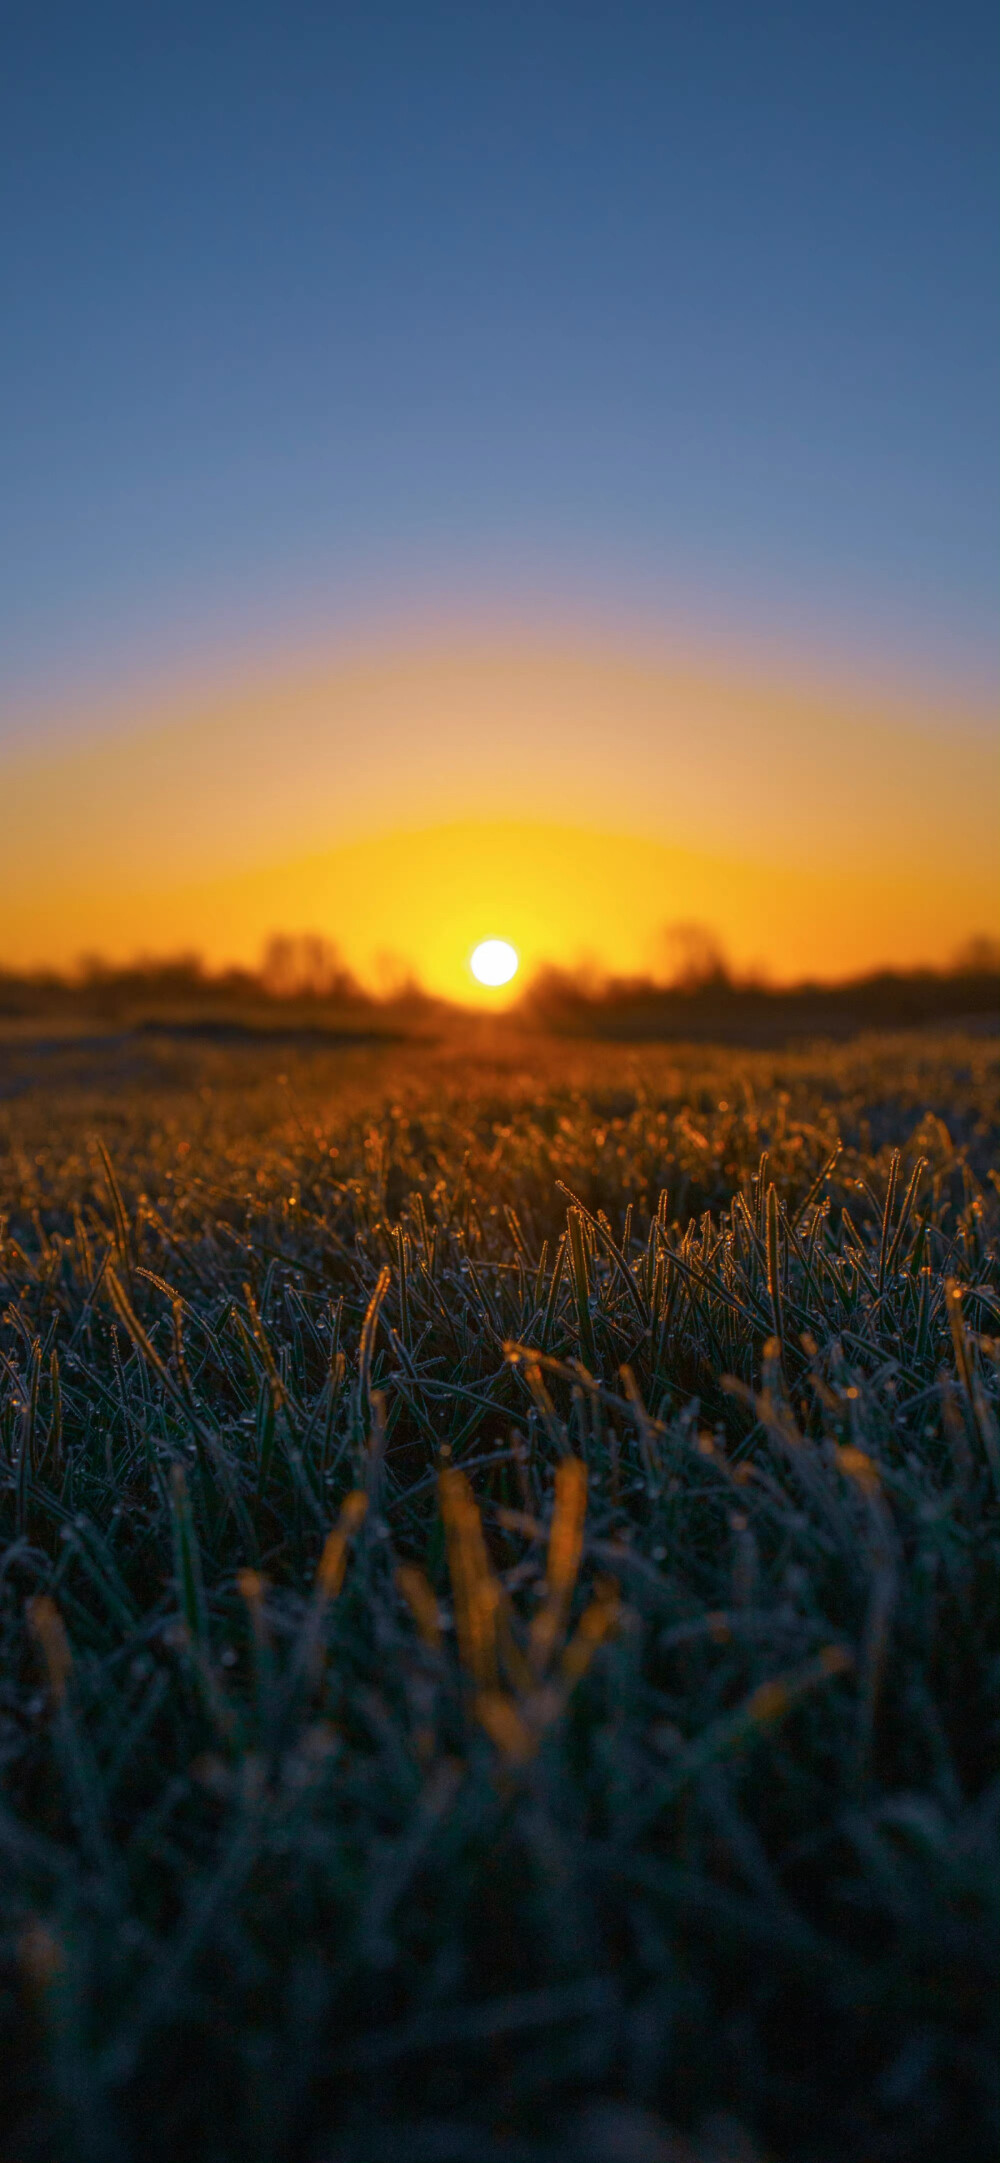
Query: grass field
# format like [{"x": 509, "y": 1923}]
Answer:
[{"x": 500, "y": 1595}]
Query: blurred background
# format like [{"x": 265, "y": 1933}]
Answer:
[{"x": 525, "y": 472}]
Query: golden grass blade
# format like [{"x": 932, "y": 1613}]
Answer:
[
  {"x": 513, "y": 1735},
  {"x": 419, "y": 1597},
  {"x": 333, "y": 1560},
  {"x": 366, "y": 1348},
  {"x": 596, "y": 1623},
  {"x": 49, "y": 1631},
  {"x": 476, "y": 1591},
  {"x": 563, "y": 1563}
]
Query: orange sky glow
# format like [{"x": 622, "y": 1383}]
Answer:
[{"x": 573, "y": 799}]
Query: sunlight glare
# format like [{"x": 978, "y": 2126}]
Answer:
[{"x": 493, "y": 962}]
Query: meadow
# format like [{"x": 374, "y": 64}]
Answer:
[{"x": 500, "y": 1584}]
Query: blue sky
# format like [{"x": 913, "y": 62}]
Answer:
[{"x": 316, "y": 313}]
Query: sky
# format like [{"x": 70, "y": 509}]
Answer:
[{"x": 632, "y": 367}]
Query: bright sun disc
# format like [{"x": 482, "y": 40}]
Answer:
[{"x": 494, "y": 962}]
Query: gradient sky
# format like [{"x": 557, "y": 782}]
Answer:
[
  {"x": 327, "y": 324},
  {"x": 675, "y": 308}
]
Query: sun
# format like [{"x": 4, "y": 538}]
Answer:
[{"x": 494, "y": 961}]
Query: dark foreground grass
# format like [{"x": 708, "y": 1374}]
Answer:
[{"x": 495, "y": 1673}]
